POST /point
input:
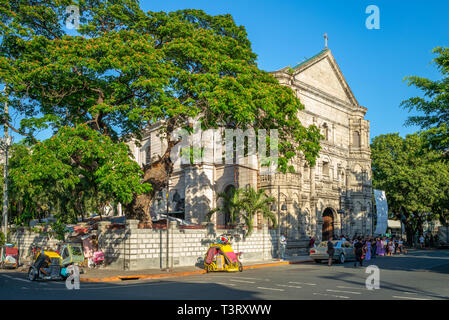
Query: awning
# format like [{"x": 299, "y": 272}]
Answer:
[{"x": 393, "y": 224}]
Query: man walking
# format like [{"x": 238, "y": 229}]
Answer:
[
  {"x": 283, "y": 245},
  {"x": 358, "y": 251},
  {"x": 330, "y": 251}
]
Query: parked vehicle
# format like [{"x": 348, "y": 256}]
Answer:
[
  {"x": 343, "y": 251},
  {"x": 51, "y": 261},
  {"x": 221, "y": 257},
  {"x": 72, "y": 254},
  {"x": 96, "y": 260},
  {"x": 9, "y": 256}
]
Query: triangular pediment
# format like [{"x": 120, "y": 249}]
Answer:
[{"x": 322, "y": 73}]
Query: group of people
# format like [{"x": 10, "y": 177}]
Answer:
[{"x": 367, "y": 248}]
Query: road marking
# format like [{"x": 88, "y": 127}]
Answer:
[
  {"x": 274, "y": 289},
  {"x": 244, "y": 281},
  {"x": 27, "y": 281},
  {"x": 226, "y": 284},
  {"x": 331, "y": 295},
  {"x": 342, "y": 291},
  {"x": 309, "y": 284},
  {"x": 410, "y": 298},
  {"x": 287, "y": 286},
  {"x": 14, "y": 278},
  {"x": 343, "y": 287},
  {"x": 246, "y": 278}
]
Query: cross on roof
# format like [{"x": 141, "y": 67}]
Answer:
[{"x": 325, "y": 39}]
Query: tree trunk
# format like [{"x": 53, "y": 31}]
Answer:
[{"x": 155, "y": 174}]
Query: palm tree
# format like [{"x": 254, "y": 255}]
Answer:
[
  {"x": 253, "y": 203},
  {"x": 231, "y": 205},
  {"x": 245, "y": 204}
]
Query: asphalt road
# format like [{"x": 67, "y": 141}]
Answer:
[{"x": 420, "y": 275}]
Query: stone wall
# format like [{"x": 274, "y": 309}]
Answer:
[
  {"x": 24, "y": 239},
  {"x": 132, "y": 248},
  {"x": 137, "y": 249}
]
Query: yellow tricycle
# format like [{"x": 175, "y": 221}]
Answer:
[{"x": 221, "y": 257}]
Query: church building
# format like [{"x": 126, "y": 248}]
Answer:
[{"x": 332, "y": 198}]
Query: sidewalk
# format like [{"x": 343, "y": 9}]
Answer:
[{"x": 106, "y": 275}]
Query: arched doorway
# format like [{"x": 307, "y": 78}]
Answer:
[{"x": 328, "y": 224}]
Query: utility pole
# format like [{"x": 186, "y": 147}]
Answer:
[
  {"x": 168, "y": 222},
  {"x": 279, "y": 222},
  {"x": 5, "y": 144}
]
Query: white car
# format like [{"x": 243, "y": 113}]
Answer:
[{"x": 343, "y": 251}]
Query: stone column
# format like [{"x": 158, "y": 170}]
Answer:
[
  {"x": 265, "y": 247},
  {"x": 130, "y": 250}
]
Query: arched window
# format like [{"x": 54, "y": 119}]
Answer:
[
  {"x": 325, "y": 168},
  {"x": 148, "y": 155},
  {"x": 326, "y": 132},
  {"x": 356, "y": 139}
]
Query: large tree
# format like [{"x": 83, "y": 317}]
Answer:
[
  {"x": 125, "y": 69},
  {"x": 434, "y": 105},
  {"x": 413, "y": 176}
]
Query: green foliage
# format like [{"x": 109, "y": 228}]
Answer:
[
  {"x": 253, "y": 203},
  {"x": 2, "y": 239},
  {"x": 414, "y": 177},
  {"x": 75, "y": 172},
  {"x": 123, "y": 70},
  {"x": 59, "y": 230},
  {"x": 245, "y": 204},
  {"x": 132, "y": 69},
  {"x": 434, "y": 105}
]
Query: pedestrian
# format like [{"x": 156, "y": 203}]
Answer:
[
  {"x": 311, "y": 242},
  {"x": 374, "y": 248},
  {"x": 358, "y": 251},
  {"x": 368, "y": 250},
  {"x": 385, "y": 245},
  {"x": 330, "y": 251},
  {"x": 379, "y": 247},
  {"x": 390, "y": 247},
  {"x": 403, "y": 247},
  {"x": 421, "y": 241},
  {"x": 283, "y": 241}
]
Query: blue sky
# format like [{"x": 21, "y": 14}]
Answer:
[{"x": 374, "y": 62}]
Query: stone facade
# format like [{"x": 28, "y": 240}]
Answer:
[
  {"x": 341, "y": 181},
  {"x": 335, "y": 193}
]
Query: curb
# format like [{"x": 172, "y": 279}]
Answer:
[{"x": 181, "y": 274}]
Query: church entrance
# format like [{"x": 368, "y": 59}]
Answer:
[{"x": 328, "y": 224}]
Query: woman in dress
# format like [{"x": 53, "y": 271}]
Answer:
[
  {"x": 390, "y": 247},
  {"x": 368, "y": 250},
  {"x": 380, "y": 247}
]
